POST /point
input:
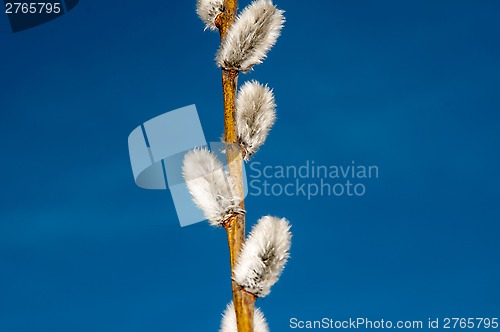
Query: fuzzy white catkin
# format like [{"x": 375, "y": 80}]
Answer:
[
  {"x": 229, "y": 320},
  {"x": 263, "y": 256},
  {"x": 208, "y": 10},
  {"x": 210, "y": 186},
  {"x": 255, "y": 116},
  {"x": 252, "y": 35}
]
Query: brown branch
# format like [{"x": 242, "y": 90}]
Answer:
[
  {"x": 243, "y": 301},
  {"x": 235, "y": 227}
]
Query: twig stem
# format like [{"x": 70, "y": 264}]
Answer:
[{"x": 235, "y": 227}]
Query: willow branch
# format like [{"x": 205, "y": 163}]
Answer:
[{"x": 235, "y": 227}]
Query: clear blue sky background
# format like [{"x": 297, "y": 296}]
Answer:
[{"x": 409, "y": 86}]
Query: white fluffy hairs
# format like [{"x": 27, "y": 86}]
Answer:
[
  {"x": 252, "y": 35},
  {"x": 255, "y": 116},
  {"x": 263, "y": 256},
  {"x": 229, "y": 320},
  {"x": 208, "y": 10},
  {"x": 210, "y": 186}
]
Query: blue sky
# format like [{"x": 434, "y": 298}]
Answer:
[{"x": 411, "y": 87}]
